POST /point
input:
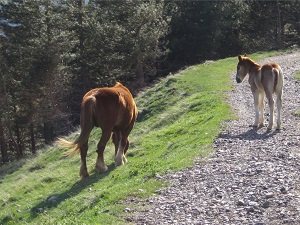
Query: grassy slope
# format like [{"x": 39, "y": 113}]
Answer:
[{"x": 179, "y": 119}]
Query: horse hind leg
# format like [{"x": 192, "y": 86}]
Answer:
[
  {"x": 279, "y": 108},
  {"x": 271, "y": 105},
  {"x": 100, "y": 165},
  {"x": 261, "y": 106},
  {"x": 83, "y": 169},
  {"x": 256, "y": 106}
]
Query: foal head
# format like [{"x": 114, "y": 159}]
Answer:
[
  {"x": 245, "y": 66},
  {"x": 242, "y": 68}
]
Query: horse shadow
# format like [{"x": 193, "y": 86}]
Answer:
[
  {"x": 252, "y": 134},
  {"x": 54, "y": 200}
]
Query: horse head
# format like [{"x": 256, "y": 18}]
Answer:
[{"x": 242, "y": 68}]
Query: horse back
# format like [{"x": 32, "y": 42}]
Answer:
[{"x": 113, "y": 106}]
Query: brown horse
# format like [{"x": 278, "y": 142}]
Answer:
[
  {"x": 264, "y": 80},
  {"x": 114, "y": 111}
]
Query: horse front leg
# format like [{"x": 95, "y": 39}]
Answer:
[
  {"x": 116, "y": 137},
  {"x": 123, "y": 145},
  {"x": 116, "y": 140},
  {"x": 120, "y": 157},
  {"x": 83, "y": 169},
  {"x": 100, "y": 165}
]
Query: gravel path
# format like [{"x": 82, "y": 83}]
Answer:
[{"x": 253, "y": 176}]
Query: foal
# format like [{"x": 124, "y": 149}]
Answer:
[{"x": 264, "y": 80}]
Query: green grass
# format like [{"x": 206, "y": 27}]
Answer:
[{"x": 179, "y": 119}]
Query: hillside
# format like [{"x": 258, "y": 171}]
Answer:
[{"x": 179, "y": 119}]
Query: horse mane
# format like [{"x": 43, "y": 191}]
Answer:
[{"x": 250, "y": 61}]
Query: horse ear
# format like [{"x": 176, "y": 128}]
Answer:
[
  {"x": 240, "y": 57},
  {"x": 245, "y": 55}
]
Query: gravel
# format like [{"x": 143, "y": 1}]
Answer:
[{"x": 253, "y": 177}]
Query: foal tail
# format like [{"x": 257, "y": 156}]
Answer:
[
  {"x": 86, "y": 124},
  {"x": 278, "y": 79}
]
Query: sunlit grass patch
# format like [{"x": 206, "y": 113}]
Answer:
[{"x": 179, "y": 118}]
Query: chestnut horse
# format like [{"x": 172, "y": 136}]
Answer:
[
  {"x": 113, "y": 110},
  {"x": 264, "y": 81}
]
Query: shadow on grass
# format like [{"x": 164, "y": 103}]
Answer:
[{"x": 54, "y": 200}]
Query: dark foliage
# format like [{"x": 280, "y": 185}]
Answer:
[{"x": 52, "y": 52}]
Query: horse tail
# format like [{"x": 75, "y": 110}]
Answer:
[
  {"x": 86, "y": 124},
  {"x": 72, "y": 146}
]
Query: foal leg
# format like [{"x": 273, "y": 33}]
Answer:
[
  {"x": 261, "y": 109},
  {"x": 271, "y": 105},
  {"x": 279, "y": 108},
  {"x": 83, "y": 169},
  {"x": 100, "y": 165},
  {"x": 256, "y": 106}
]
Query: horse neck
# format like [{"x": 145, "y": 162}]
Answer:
[{"x": 252, "y": 67}]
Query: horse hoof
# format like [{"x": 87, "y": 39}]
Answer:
[
  {"x": 119, "y": 163},
  {"x": 261, "y": 125},
  {"x": 101, "y": 169},
  {"x": 269, "y": 130},
  {"x": 83, "y": 172},
  {"x": 85, "y": 176}
]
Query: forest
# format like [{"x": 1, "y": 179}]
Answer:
[{"x": 53, "y": 51}]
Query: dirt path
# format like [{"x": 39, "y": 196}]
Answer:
[{"x": 253, "y": 177}]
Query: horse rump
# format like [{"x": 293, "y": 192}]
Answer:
[{"x": 86, "y": 124}]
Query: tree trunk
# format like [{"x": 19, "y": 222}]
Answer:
[
  {"x": 33, "y": 147},
  {"x": 139, "y": 72},
  {"x": 80, "y": 21},
  {"x": 12, "y": 143},
  {"x": 18, "y": 134},
  {"x": 3, "y": 148},
  {"x": 279, "y": 28},
  {"x": 48, "y": 133}
]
